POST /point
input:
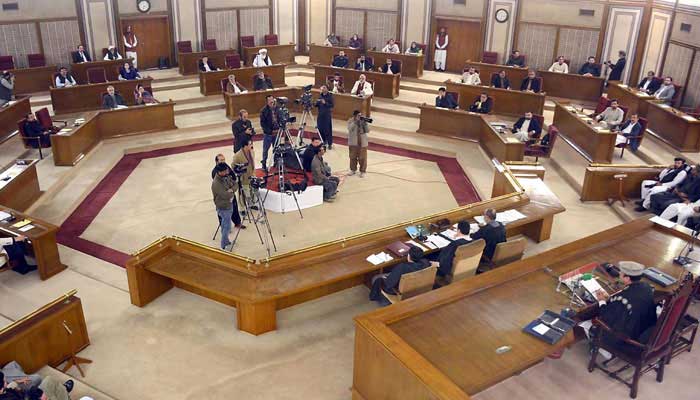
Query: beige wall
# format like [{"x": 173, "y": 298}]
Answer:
[
  {"x": 237, "y": 3},
  {"x": 186, "y": 12},
  {"x": 446, "y": 8},
  {"x": 286, "y": 18},
  {"x": 129, "y": 6},
  {"x": 384, "y": 5},
  {"x": 500, "y": 34},
  {"x": 415, "y": 21},
  {"x": 562, "y": 12},
  {"x": 658, "y": 31},
  {"x": 317, "y": 16},
  {"x": 99, "y": 24},
  {"x": 40, "y": 9},
  {"x": 693, "y": 37}
]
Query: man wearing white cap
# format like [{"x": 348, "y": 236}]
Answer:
[{"x": 262, "y": 59}]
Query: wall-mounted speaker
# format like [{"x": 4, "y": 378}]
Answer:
[
  {"x": 586, "y": 13},
  {"x": 686, "y": 27},
  {"x": 10, "y": 6}
]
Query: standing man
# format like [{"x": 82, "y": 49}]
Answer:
[
  {"x": 242, "y": 129},
  {"x": 618, "y": 67},
  {"x": 358, "y": 142},
  {"x": 270, "y": 126},
  {"x": 325, "y": 116},
  {"x": 130, "y": 43},
  {"x": 441, "y": 42},
  {"x": 235, "y": 216},
  {"x": 223, "y": 191}
]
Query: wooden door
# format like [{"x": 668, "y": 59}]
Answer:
[
  {"x": 153, "y": 34},
  {"x": 465, "y": 42}
]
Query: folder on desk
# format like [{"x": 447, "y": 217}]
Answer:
[
  {"x": 549, "y": 327},
  {"x": 398, "y": 248},
  {"x": 659, "y": 277}
]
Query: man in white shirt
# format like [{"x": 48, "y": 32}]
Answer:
[
  {"x": 683, "y": 211},
  {"x": 362, "y": 88},
  {"x": 526, "y": 128},
  {"x": 391, "y": 47},
  {"x": 666, "y": 91},
  {"x": 668, "y": 179},
  {"x": 112, "y": 54},
  {"x": 612, "y": 116},
  {"x": 560, "y": 66},
  {"x": 441, "y": 42},
  {"x": 649, "y": 84},
  {"x": 130, "y": 43},
  {"x": 63, "y": 79},
  {"x": 471, "y": 77},
  {"x": 262, "y": 59},
  {"x": 13, "y": 249}
]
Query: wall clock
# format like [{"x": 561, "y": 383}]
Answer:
[
  {"x": 143, "y": 5},
  {"x": 502, "y": 15}
]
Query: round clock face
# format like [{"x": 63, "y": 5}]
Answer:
[
  {"x": 502, "y": 15},
  {"x": 143, "y": 5}
]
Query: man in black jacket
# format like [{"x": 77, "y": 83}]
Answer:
[
  {"x": 482, "y": 104},
  {"x": 527, "y": 128},
  {"x": 500, "y": 81},
  {"x": 446, "y": 256},
  {"x": 325, "y": 116},
  {"x": 687, "y": 192},
  {"x": 363, "y": 64},
  {"x": 310, "y": 152},
  {"x": 444, "y": 100},
  {"x": 242, "y": 128},
  {"x": 341, "y": 60},
  {"x": 493, "y": 233},
  {"x": 531, "y": 83},
  {"x": 112, "y": 99},
  {"x": 270, "y": 127},
  {"x": 390, "y": 282},
  {"x": 205, "y": 65},
  {"x": 590, "y": 68},
  {"x": 32, "y": 128},
  {"x": 650, "y": 84},
  {"x": 618, "y": 67},
  {"x": 81, "y": 55},
  {"x": 390, "y": 67},
  {"x": 262, "y": 82},
  {"x": 516, "y": 60}
]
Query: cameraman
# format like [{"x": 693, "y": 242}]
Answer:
[
  {"x": 7, "y": 86},
  {"x": 325, "y": 116},
  {"x": 221, "y": 160},
  {"x": 242, "y": 128},
  {"x": 270, "y": 126},
  {"x": 357, "y": 142}
]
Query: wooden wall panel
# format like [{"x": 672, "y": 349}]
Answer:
[
  {"x": 692, "y": 93},
  {"x": 677, "y": 62},
  {"x": 537, "y": 42},
  {"x": 577, "y": 45},
  {"x": 255, "y": 22},
  {"x": 18, "y": 40},
  {"x": 381, "y": 26},
  {"x": 223, "y": 26},
  {"x": 348, "y": 23},
  {"x": 659, "y": 28},
  {"x": 59, "y": 38}
]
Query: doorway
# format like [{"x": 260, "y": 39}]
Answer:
[
  {"x": 465, "y": 42},
  {"x": 154, "y": 39}
]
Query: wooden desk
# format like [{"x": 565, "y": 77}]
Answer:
[
  {"x": 385, "y": 85},
  {"x": 258, "y": 289},
  {"x": 254, "y": 101},
  {"x": 70, "y": 147},
  {"x": 32, "y": 80},
  {"x": 599, "y": 184},
  {"x": 509, "y": 102},
  {"x": 515, "y": 75},
  {"x": 572, "y": 86},
  {"x": 188, "y": 63},
  {"x": 89, "y": 97},
  {"x": 79, "y": 71},
  {"x": 11, "y": 115},
  {"x": 210, "y": 82},
  {"x": 411, "y": 65},
  {"x": 417, "y": 349},
  {"x": 42, "y": 239},
  {"x": 675, "y": 127},
  {"x": 40, "y": 338},
  {"x": 344, "y": 104},
  {"x": 596, "y": 146},
  {"x": 22, "y": 189},
  {"x": 470, "y": 126},
  {"x": 323, "y": 55},
  {"x": 279, "y": 54},
  {"x": 635, "y": 100}
]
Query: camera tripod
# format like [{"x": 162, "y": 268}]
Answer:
[
  {"x": 278, "y": 155},
  {"x": 306, "y": 115},
  {"x": 261, "y": 218}
]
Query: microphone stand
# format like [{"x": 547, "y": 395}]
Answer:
[{"x": 684, "y": 260}]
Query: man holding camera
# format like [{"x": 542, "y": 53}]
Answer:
[
  {"x": 270, "y": 126},
  {"x": 242, "y": 128},
  {"x": 325, "y": 116},
  {"x": 223, "y": 189},
  {"x": 7, "y": 86},
  {"x": 357, "y": 142},
  {"x": 235, "y": 216}
]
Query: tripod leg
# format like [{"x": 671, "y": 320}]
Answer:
[{"x": 217, "y": 231}]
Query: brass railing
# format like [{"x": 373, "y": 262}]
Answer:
[{"x": 38, "y": 311}]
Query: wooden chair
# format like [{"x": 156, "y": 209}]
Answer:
[
  {"x": 455, "y": 96},
  {"x": 247, "y": 41},
  {"x": 489, "y": 57},
  {"x": 653, "y": 355},
  {"x": 423, "y": 47},
  {"x": 413, "y": 284},
  {"x": 634, "y": 141},
  {"x": 465, "y": 263},
  {"x": 233, "y": 60},
  {"x": 506, "y": 253},
  {"x": 7, "y": 62},
  {"x": 223, "y": 83},
  {"x": 603, "y": 103},
  {"x": 184, "y": 46},
  {"x": 398, "y": 63},
  {"x": 44, "y": 118},
  {"x": 96, "y": 75},
  {"x": 209, "y": 45},
  {"x": 36, "y": 60},
  {"x": 31, "y": 142},
  {"x": 537, "y": 149},
  {"x": 271, "y": 40}
]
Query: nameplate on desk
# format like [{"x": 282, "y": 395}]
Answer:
[
  {"x": 664, "y": 106},
  {"x": 689, "y": 118},
  {"x": 662, "y": 221},
  {"x": 512, "y": 140},
  {"x": 622, "y": 85}
]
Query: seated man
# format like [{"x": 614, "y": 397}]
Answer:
[
  {"x": 531, "y": 83},
  {"x": 64, "y": 79},
  {"x": 482, "y": 104},
  {"x": 526, "y": 128},
  {"x": 335, "y": 83},
  {"x": 516, "y": 60},
  {"x": 235, "y": 87},
  {"x": 112, "y": 53},
  {"x": 112, "y": 99},
  {"x": 445, "y": 258},
  {"x": 500, "y": 81},
  {"x": 493, "y": 233},
  {"x": 445, "y": 100},
  {"x": 687, "y": 192},
  {"x": 310, "y": 152},
  {"x": 363, "y": 64},
  {"x": 629, "y": 128},
  {"x": 471, "y": 77},
  {"x": 589, "y": 68},
  {"x": 415, "y": 261},
  {"x": 206, "y": 65},
  {"x": 128, "y": 73},
  {"x": 390, "y": 68},
  {"x": 666, "y": 91},
  {"x": 341, "y": 60},
  {"x": 559, "y": 66},
  {"x": 414, "y": 49},
  {"x": 667, "y": 180},
  {"x": 143, "y": 96},
  {"x": 322, "y": 175},
  {"x": 262, "y": 82},
  {"x": 14, "y": 376},
  {"x": 242, "y": 129},
  {"x": 682, "y": 211},
  {"x": 13, "y": 252},
  {"x": 391, "y": 47},
  {"x": 331, "y": 40},
  {"x": 32, "y": 128},
  {"x": 354, "y": 42},
  {"x": 612, "y": 116},
  {"x": 81, "y": 55},
  {"x": 7, "y": 87},
  {"x": 262, "y": 59},
  {"x": 649, "y": 84},
  {"x": 361, "y": 87}
]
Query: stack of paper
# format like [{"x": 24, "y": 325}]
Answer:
[
  {"x": 438, "y": 241},
  {"x": 22, "y": 223},
  {"x": 4, "y": 215},
  {"x": 414, "y": 243},
  {"x": 504, "y": 217},
  {"x": 449, "y": 233},
  {"x": 26, "y": 228},
  {"x": 379, "y": 258}
]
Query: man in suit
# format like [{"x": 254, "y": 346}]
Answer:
[
  {"x": 526, "y": 128},
  {"x": 32, "y": 128},
  {"x": 363, "y": 64},
  {"x": 668, "y": 179},
  {"x": 64, "y": 79},
  {"x": 618, "y": 67},
  {"x": 361, "y": 87},
  {"x": 531, "y": 83},
  {"x": 262, "y": 59},
  {"x": 687, "y": 192},
  {"x": 650, "y": 84},
  {"x": 242, "y": 129},
  {"x": 629, "y": 129},
  {"x": 560, "y": 66},
  {"x": 415, "y": 261},
  {"x": 666, "y": 91},
  {"x": 493, "y": 233},
  {"x": 112, "y": 99},
  {"x": 500, "y": 81},
  {"x": 324, "y": 121},
  {"x": 81, "y": 55},
  {"x": 270, "y": 127},
  {"x": 612, "y": 116},
  {"x": 233, "y": 86},
  {"x": 482, "y": 104},
  {"x": 445, "y": 258},
  {"x": 205, "y": 65},
  {"x": 590, "y": 68},
  {"x": 390, "y": 68},
  {"x": 262, "y": 82},
  {"x": 516, "y": 60},
  {"x": 444, "y": 100},
  {"x": 13, "y": 249},
  {"x": 341, "y": 60}
]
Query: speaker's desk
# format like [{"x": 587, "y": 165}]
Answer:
[{"x": 278, "y": 53}]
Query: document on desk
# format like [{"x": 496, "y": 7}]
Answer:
[
  {"x": 22, "y": 223},
  {"x": 689, "y": 118},
  {"x": 504, "y": 217},
  {"x": 379, "y": 258},
  {"x": 26, "y": 228},
  {"x": 449, "y": 233},
  {"x": 662, "y": 221},
  {"x": 414, "y": 243},
  {"x": 4, "y": 215},
  {"x": 438, "y": 241}
]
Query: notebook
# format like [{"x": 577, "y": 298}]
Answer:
[
  {"x": 549, "y": 327},
  {"x": 398, "y": 248}
]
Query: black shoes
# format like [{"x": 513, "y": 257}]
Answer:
[
  {"x": 69, "y": 385},
  {"x": 640, "y": 209}
]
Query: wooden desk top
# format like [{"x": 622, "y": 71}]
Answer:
[
  {"x": 11, "y": 115},
  {"x": 89, "y": 96},
  {"x": 22, "y": 189},
  {"x": 675, "y": 113},
  {"x": 505, "y": 101},
  {"x": 572, "y": 86},
  {"x": 595, "y": 141},
  {"x": 427, "y": 334},
  {"x": 40, "y": 229}
]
